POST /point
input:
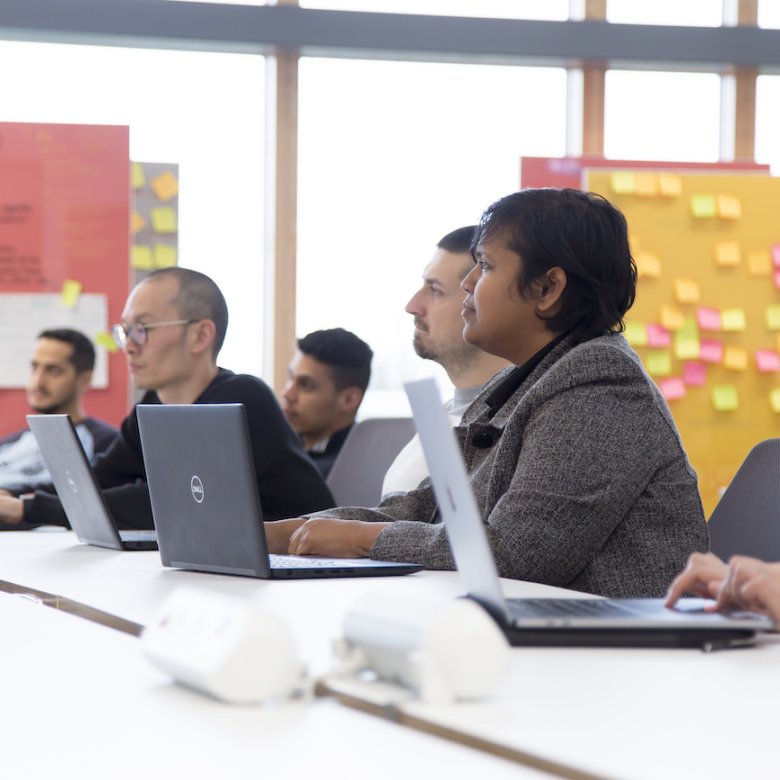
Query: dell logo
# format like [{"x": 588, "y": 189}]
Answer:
[
  {"x": 71, "y": 482},
  {"x": 196, "y": 486}
]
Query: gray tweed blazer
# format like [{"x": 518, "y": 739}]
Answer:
[{"x": 587, "y": 486}]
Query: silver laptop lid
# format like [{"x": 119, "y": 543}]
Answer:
[
  {"x": 469, "y": 542},
  {"x": 74, "y": 479}
]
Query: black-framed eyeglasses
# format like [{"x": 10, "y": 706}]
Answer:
[{"x": 139, "y": 333}]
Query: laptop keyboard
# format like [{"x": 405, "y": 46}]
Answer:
[
  {"x": 138, "y": 536},
  {"x": 296, "y": 562},
  {"x": 530, "y": 608}
]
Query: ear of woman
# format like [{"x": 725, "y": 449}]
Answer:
[{"x": 548, "y": 290}]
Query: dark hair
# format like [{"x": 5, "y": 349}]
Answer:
[
  {"x": 347, "y": 357},
  {"x": 458, "y": 241},
  {"x": 83, "y": 356},
  {"x": 580, "y": 232},
  {"x": 198, "y": 298}
]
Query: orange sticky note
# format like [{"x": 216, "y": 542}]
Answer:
[
  {"x": 648, "y": 266},
  {"x": 71, "y": 291},
  {"x": 165, "y": 186},
  {"x": 671, "y": 317},
  {"x": 729, "y": 207},
  {"x": 623, "y": 183},
  {"x": 733, "y": 320},
  {"x": 704, "y": 206},
  {"x": 669, "y": 186},
  {"x": 735, "y": 358},
  {"x": 686, "y": 291},
  {"x": 725, "y": 398},
  {"x": 759, "y": 263},
  {"x": 646, "y": 185},
  {"x": 138, "y": 222},
  {"x": 727, "y": 253}
]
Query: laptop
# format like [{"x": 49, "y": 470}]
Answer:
[
  {"x": 587, "y": 622},
  {"x": 77, "y": 487},
  {"x": 205, "y": 501}
]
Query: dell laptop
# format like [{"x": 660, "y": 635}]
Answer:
[
  {"x": 554, "y": 621},
  {"x": 77, "y": 488},
  {"x": 205, "y": 500}
]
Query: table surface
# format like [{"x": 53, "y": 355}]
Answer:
[{"x": 616, "y": 713}]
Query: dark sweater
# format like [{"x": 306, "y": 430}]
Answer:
[{"x": 289, "y": 483}]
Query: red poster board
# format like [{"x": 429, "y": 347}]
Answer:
[
  {"x": 64, "y": 215},
  {"x": 568, "y": 171}
]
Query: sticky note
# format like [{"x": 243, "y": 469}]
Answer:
[
  {"x": 658, "y": 336},
  {"x": 106, "y": 340},
  {"x": 708, "y": 318},
  {"x": 623, "y": 183},
  {"x": 733, "y": 320},
  {"x": 137, "y": 175},
  {"x": 672, "y": 389},
  {"x": 686, "y": 291},
  {"x": 727, "y": 253},
  {"x": 711, "y": 351},
  {"x": 648, "y": 265},
  {"x": 735, "y": 359},
  {"x": 137, "y": 223},
  {"x": 71, "y": 290},
  {"x": 658, "y": 362},
  {"x": 164, "y": 256},
  {"x": 704, "y": 206},
  {"x": 646, "y": 185},
  {"x": 694, "y": 374},
  {"x": 776, "y": 278},
  {"x": 671, "y": 317},
  {"x": 772, "y": 316},
  {"x": 669, "y": 186},
  {"x": 729, "y": 207},
  {"x": 774, "y": 400},
  {"x": 759, "y": 263},
  {"x": 165, "y": 186},
  {"x": 776, "y": 255},
  {"x": 141, "y": 258},
  {"x": 689, "y": 328},
  {"x": 767, "y": 361},
  {"x": 636, "y": 334},
  {"x": 686, "y": 347},
  {"x": 725, "y": 398},
  {"x": 163, "y": 219}
]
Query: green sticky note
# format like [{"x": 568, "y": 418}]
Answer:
[
  {"x": 704, "y": 206},
  {"x": 658, "y": 362},
  {"x": 725, "y": 398},
  {"x": 733, "y": 320},
  {"x": 687, "y": 347},
  {"x": 106, "y": 340},
  {"x": 636, "y": 334},
  {"x": 71, "y": 291},
  {"x": 773, "y": 316}
]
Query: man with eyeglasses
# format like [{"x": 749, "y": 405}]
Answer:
[{"x": 173, "y": 326}]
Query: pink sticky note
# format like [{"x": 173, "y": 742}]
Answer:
[
  {"x": 776, "y": 255},
  {"x": 711, "y": 351},
  {"x": 672, "y": 388},
  {"x": 658, "y": 337},
  {"x": 708, "y": 318},
  {"x": 694, "y": 373},
  {"x": 767, "y": 360}
]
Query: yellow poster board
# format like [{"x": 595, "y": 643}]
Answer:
[{"x": 706, "y": 321}]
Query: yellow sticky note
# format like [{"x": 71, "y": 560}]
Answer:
[
  {"x": 727, "y": 253},
  {"x": 772, "y": 316},
  {"x": 774, "y": 400},
  {"x": 733, "y": 320},
  {"x": 646, "y": 185},
  {"x": 163, "y": 220},
  {"x": 735, "y": 358},
  {"x": 671, "y": 317},
  {"x": 669, "y": 186},
  {"x": 703, "y": 206},
  {"x": 141, "y": 258},
  {"x": 165, "y": 256},
  {"x": 137, "y": 175},
  {"x": 759, "y": 264},
  {"x": 686, "y": 347},
  {"x": 648, "y": 266},
  {"x": 686, "y": 291},
  {"x": 729, "y": 207},
  {"x": 165, "y": 186},
  {"x": 71, "y": 290},
  {"x": 636, "y": 334},
  {"x": 106, "y": 340},
  {"x": 658, "y": 362},
  {"x": 623, "y": 183},
  {"x": 725, "y": 398},
  {"x": 138, "y": 222}
]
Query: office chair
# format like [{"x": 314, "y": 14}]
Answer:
[
  {"x": 355, "y": 479},
  {"x": 746, "y": 520}
]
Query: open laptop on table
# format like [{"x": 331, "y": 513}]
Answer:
[
  {"x": 553, "y": 621},
  {"x": 77, "y": 487},
  {"x": 205, "y": 502}
]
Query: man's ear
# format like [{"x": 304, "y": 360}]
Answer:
[
  {"x": 350, "y": 399},
  {"x": 205, "y": 332},
  {"x": 548, "y": 290},
  {"x": 84, "y": 380}
]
